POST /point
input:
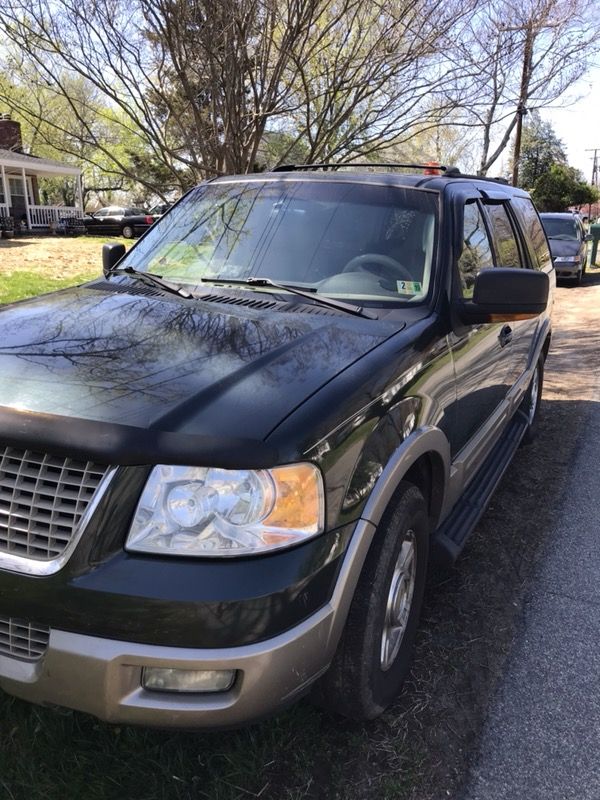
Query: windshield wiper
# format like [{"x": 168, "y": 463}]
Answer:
[
  {"x": 358, "y": 311},
  {"x": 150, "y": 279}
]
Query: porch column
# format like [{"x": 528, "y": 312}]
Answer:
[
  {"x": 79, "y": 196},
  {"x": 26, "y": 198},
  {"x": 5, "y": 186}
]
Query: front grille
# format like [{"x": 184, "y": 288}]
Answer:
[
  {"x": 23, "y": 640},
  {"x": 42, "y": 500}
]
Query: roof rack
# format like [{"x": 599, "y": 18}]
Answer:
[
  {"x": 327, "y": 166},
  {"x": 430, "y": 169},
  {"x": 458, "y": 174}
]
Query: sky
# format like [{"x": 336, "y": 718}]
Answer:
[{"x": 578, "y": 123}]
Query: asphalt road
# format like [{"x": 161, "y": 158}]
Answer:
[{"x": 542, "y": 735}]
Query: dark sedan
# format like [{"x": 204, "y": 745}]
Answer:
[
  {"x": 568, "y": 244},
  {"x": 119, "y": 221}
]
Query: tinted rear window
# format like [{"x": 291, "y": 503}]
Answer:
[{"x": 534, "y": 233}]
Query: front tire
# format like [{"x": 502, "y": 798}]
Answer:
[{"x": 376, "y": 648}]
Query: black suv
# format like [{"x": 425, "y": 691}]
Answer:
[{"x": 226, "y": 464}]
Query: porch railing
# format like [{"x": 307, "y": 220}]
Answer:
[
  {"x": 42, "y": 216},
  {"x": 3, "y": 210}
]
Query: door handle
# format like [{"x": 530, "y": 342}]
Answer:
[{"x": 505, "y": 336}]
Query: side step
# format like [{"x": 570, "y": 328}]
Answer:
[{"x": 451, "y": 536}]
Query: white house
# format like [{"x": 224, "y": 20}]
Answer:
[{"x": 19, "y": 182}]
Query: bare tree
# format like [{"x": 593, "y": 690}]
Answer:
[
  {"x": 194, "y": 85},
  {"x": 521, "y": 56},
  {"x": 376, "y": 74}
]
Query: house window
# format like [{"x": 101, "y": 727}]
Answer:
[{"x": 15, "y": 187}]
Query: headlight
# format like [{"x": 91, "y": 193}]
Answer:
[
  {"x": 200, "y": 511},
  {"x": 567, "y": 259}
]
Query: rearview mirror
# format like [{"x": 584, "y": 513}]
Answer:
[
  {"x": 111, "y": 255},
  {"x": 502, "y": 294}
]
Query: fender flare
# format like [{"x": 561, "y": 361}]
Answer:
[
  {"x": 423, "y": 441},
  {"x": 544, "y": 333}
]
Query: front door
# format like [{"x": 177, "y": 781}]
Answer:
[
  {"x": 480, "y": 352},
  {"x": 16, "y": 200}
]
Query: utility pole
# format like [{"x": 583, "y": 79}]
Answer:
[
  {"x": 595, "y": 176},
  {"x": 522, "y": 108},
  {"x": 531, "y": 29},
  {"x": 595, "y": 166}
]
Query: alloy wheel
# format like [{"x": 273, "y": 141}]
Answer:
[{"x": 399, "y": 601}]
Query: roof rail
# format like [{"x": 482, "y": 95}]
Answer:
[
  {"x": 430, "y": 169},
  {"x": 458, "y": 174},
  {"x": 329, "y": 166}
]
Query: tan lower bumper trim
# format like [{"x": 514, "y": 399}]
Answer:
[{"x": 103, "y": 677}]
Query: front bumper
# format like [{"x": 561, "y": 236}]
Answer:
[
  {"x": 567, "y": 269},
  {"x": 103, "y": 676}
]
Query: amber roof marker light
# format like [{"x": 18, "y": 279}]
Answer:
[{"x": 433, "y": 168}]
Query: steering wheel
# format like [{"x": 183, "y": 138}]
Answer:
[{"x": 389, "y": 264}]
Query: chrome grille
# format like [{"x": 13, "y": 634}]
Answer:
[
  {"x": 42, "y": 500},
  {"x": 23, "y": 640}
]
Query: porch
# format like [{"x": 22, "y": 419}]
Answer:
[{"x": 20, "y": 191}]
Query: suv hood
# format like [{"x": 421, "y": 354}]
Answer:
[{"x": 106, "y": 352}]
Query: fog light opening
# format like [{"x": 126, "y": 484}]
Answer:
[{"x": 187, "y": 681}]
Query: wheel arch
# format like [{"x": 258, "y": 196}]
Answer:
[{"x": 423, "y": 459}]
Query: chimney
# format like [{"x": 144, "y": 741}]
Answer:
[{"x": 10, "y": 134}]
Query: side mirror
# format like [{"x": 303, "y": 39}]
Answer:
[
  {"x": 502, "y": 294},
  {"x": 111, "y": 255}
]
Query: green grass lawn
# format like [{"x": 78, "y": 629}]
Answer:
[
  {"x": 25, "y": 284},
  {"x": 34, "y": 265},
  {"x": 54, "y": 754}
]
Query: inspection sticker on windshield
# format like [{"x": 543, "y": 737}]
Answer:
[{"x": 408, "y": 287}]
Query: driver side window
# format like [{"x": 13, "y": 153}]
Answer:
[{"x": 476, "y": 251}]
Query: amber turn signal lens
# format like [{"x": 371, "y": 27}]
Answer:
[{"x": 300, "y": 499}]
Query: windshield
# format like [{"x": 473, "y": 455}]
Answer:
[
  {"x": 557, "y": 228},
  {"x": 354, "y": 241}
]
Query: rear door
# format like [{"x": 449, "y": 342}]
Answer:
[{"x": 537, "y": 250}]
